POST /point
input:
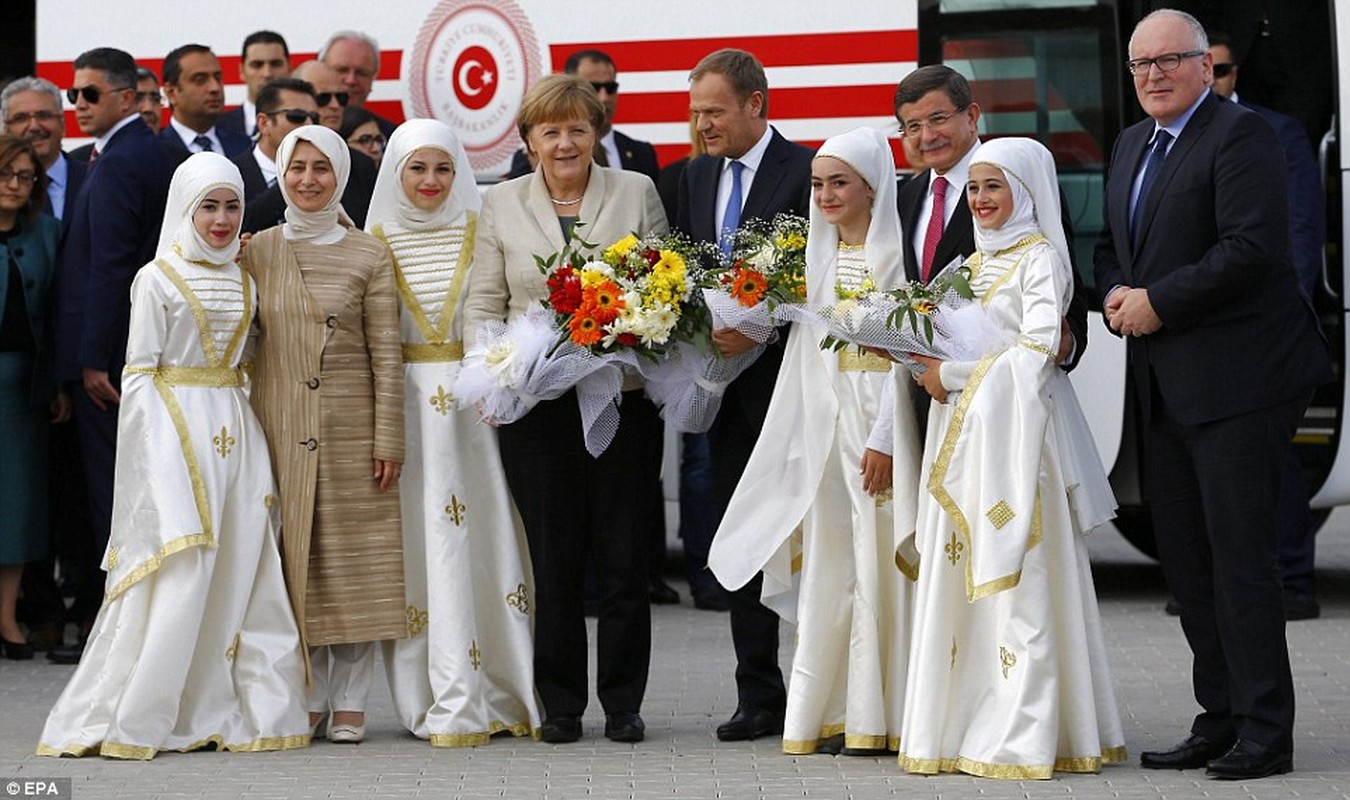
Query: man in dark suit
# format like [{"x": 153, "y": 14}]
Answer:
[
  {"x": 196, "y": 94},
  {"x": 111, "y": 233},
  {"x": 938, "y": 124},
  {"x": 265, "y": 58},
  {"x": 355, "y": 56},
  {"x": 1224, "y": 353},
  {"x": 621, "y": 152},
  {"x": 31, "y": 107},
  {"x": 750, "y": 162},
  {"x": 283, "y": 106}
]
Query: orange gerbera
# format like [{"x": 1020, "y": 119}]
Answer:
[
  {"x": 748, "y": 287},
  {"x": 605, "y": 299},
  {"x": 585, "y": 329}
]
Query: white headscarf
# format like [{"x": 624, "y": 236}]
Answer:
[
  {"x": 1029, "y": 170},
  {"x": 868, "y": 152},
  {"x": 390, "y": 206},
  {"x": 195, "y": 178},
  {"x": 324, "y": 226}
]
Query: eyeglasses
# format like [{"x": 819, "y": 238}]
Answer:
[
  {"x": 367, "y": 139},
  {"x": 1166, "y": 62},
  {"x": 23, "y": 176},
  {"x": 296, "y": 115},
  {"x": 150, "y": 97},
  {"x": 92, "y": 93},
  {"x": 606, "y": 86},
  {"x": 24, "y": 117},
  {"x": 1223, "y": 70},
  {"x": 324, "y": 98},
  {"x": 915, "y": 126}
]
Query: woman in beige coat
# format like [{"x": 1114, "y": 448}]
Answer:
[
  {"x": 573, "y": 504},
  {"x": 329, "y": 392}
]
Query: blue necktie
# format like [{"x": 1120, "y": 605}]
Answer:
[
  {"x": 204, "y": 142},
  {"x": 1151, "y": 169},
  {"x": 732, "y": 218}
]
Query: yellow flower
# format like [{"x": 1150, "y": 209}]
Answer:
[
  {"x": 592, "y": 277},
  {"x": 925, "y": 307},
  {"x": 619, "y": 249},
  {"x": 790, "y": 241}
]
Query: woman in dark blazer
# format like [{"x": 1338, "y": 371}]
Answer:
[
  {"x": 572, "y": 503},
  {"x": 28, "y": 240}
]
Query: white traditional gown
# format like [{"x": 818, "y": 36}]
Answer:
[
  {"x": 466, "y": 670},
  {"x": 195, "y": 643},
  {"x": 1008, "y": 675}
]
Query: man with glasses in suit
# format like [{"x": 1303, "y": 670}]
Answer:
[{"x": 282, "y": 106}]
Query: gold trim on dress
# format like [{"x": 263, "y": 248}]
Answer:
[
  {"x": 203, "y": 377},
  {"x": 854, "y": 360},
  {"x": 519, "y": 729},
  {"x": 434, "y": 353},
  {"x": 435, "y": 333},
  {"x": 145, "y": 753},
  {"x": 1081, "y": 764},
  {"x": 152, "y": 564}
]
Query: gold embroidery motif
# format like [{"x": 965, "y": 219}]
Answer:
[
  {"x": 441, "y": 400},
  {"x": 438, "y": 332},
  {"x": 417, "y": 621},
  {"x": 269, "y": 501},
  {"x": 885, "y": 496},
  {"x": 1007, "y": 658},
  {"x": 233, "y": 649},
  {"x": 1000, "y": 514},
  {"x": 475, "y": 655},
  {"x": 456, "y": 510},
  {"x": 112, "y": 556},
  {"x": 851, "y": 360},
  {"x": 953, "y": 666},
  {"x": 519, "y": 599},
  {"x": 1037, "y": 347},
  {"x": 954, "y": 549},
  {"x": 207, "y": 377},
  {"x": 433, "y": 353},
  {"x": 223, "y": 442}
]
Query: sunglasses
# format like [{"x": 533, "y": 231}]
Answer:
[
  {"x": 297, "y": 116},
  {"x": 367, "y": 139},
  {"x": 1223, "y": 70},
  {"x": 92, "y": 93},
  {"x": 324, "y": 98},
  {"x": 608, "y": 86}
]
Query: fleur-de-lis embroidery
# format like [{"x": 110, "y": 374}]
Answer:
[
  {"x": 475, "y": 655},
  {"x": 223, "y": 442},
  {"x": 456, "y": 510},
  {"x": 112, "y": 557},
  {"x": 1007, "y": 658},
  {"x": 441, "y": 400},
  {"x": 519, "y": 599},
  {"x": 954, "y": 549},
  {"x": 233, "y": 649},
  {"x": 953, "y": 652},
  {"x": 417, "y": 621}
]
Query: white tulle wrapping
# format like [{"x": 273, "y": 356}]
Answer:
[{"x": 515, "y": 365}]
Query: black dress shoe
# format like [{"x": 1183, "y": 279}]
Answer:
[
  {"x": 750, "y": 722},
  {"x": 1250, "y": 760},
  {"x": 1193, "y": 753},
  {"x": 831, "y": 745},
  {"x": 714, "y": 599},
  {"x": 661, "y": 593},
  {"x": 15, "y": 651},
  {"x": 1300, "y": 605},
  {"x": 1173, "y": 608},
  {"x": 560, "y": 730},
  {"x": 66, "y": 655},
  {"x": 625, "y": 726}
]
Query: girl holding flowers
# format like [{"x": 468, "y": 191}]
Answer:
[{"x": 825, "y": 468}]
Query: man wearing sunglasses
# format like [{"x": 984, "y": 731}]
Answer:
[
  {"x": 111, "y": 233},
  {"x": 329, "y": 92},
  {"x": 196, "y": 93},
  {"x": 284, "y": 105},
  {"x": 1224, "y": 352},
  {"x": 621, "y": 152}
]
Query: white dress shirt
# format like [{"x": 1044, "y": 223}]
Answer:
[
  {"x": 751, "y": 161},
  {"x": 189, "y": 137},
  {"x": 955, "y": 198}
]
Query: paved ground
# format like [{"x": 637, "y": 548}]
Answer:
[{"x": 691, "y": 692}]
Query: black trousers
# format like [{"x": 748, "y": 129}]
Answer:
[
  {"x": 1213, "y": 490},
  {"x": 98, "y": 447},
  {"x": 572, "y": 504}
]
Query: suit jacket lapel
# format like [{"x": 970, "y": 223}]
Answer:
[
  {"x": 1125, "y": 167},
  {"x": 541, "y": 209},
  {"x": 768, "y": 179},
  {"x": 1175, "y": 158},
  {"x": 704, "y": 174},
  {"x": 909, "y": 203},
  {"x": 958, "y": 237}
]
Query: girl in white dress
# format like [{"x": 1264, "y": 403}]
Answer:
[
  {"x": 814, "y": 509},
  {"x": 1008, "y": 675},
  {"x": 195, "y": 646},
  {"x": 465, "y": 672}
]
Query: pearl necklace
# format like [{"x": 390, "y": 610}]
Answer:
[{"x": 564, "y": 202}]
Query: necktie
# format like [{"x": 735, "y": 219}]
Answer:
[
  {"x": 933, "y": 235},
  {"x": 732, "y": 218},
  {"x": 204, "y": 142},
  {"x": 1151, "y": 169}
]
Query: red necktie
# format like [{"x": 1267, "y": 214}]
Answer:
[{"x": 933, "y": 235}]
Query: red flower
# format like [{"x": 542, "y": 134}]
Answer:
[
  {"x": 564, "y": 291},
  {"x": 627, "y": 339}
]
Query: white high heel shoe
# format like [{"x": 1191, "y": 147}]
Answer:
[{"x": 346, "y": 734}]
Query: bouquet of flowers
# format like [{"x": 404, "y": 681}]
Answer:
[
  {"x": 622, "y": 309},
  {"x": 940, "y": 320},
  {"x": 766, "y": 268}
]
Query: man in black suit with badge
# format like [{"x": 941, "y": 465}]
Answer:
[
  {"x": 749, "y": 172},
  {"x": 1224, "y": 352}
]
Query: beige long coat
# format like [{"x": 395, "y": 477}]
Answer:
[{"x": 328, "y": 388}]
